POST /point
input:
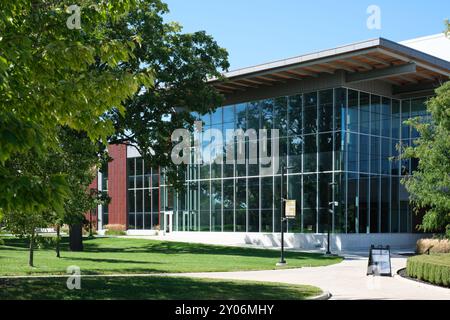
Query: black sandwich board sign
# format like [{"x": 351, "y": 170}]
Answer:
[{"x": 379, "y": 261}]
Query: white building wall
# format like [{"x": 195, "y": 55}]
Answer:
[
  {"x": 437, "y": 45},
  {"x": 339, "y": 242}
]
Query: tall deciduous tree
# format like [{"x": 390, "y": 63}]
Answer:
[
  {"x": 51, "y": 75},
  {"x": 429, "y": 185},
  {"x": 75, "y": 161},
  {"x": 181, "y": 63}
]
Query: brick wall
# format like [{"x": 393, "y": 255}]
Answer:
[{"x": 117, "y": 184}]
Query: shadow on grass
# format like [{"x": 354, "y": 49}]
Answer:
[
  {"x": 151, "y": 288},
  {"x": 141, "y": 246},
  {"x": 107, "y": 260},
  {"x": 166, "y": 247}
]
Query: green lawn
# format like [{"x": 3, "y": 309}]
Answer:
[
  {"x": 152, "y": 288},
  {"x": 118, "y": 255}
]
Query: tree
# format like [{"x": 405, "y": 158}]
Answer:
[
  {"x": 181, "y": 64},
  {"x": 429, "y": 185},
  {"x": 24, "y": 221},
  {"x": 78, "y": 158},
  {"x": 53, "y": 76}
]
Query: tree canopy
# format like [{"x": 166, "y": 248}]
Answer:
[
  {"x": 53, "y": 76},
  {"x": 181, "y": 63},
  {"x": 429, "y": 185}
]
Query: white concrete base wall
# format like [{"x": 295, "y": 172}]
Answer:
[
  {"x": 339, "y": 242},
  {"x": 142, "y": 232}
]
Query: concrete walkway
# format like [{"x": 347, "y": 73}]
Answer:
[{"x": 345, "y": 281}]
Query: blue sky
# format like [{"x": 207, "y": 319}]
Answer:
[{"x": 259, "y": 31}]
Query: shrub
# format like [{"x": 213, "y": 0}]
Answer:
[
  {"x": 115, "y": 230},
  {"x": 433, "y": 268},
  {"x": 435, "y": 246}
]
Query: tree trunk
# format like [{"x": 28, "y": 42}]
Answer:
[
  {"x": 31, "y": 257},
  {"x": 58, "y": 240},
  {"x": 76, "y": 237}
]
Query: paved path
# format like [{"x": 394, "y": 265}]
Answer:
[{"x": 346, "y": 280}]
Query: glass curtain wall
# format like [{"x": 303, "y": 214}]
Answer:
[{"x": 337, "y": 136}]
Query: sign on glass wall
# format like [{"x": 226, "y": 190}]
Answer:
[{"x": 290, "y": 211}]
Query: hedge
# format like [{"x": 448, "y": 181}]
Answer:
[{"x": 433, "y": 268}]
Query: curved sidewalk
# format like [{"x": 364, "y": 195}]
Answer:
[{"x": 345, "y": 281}]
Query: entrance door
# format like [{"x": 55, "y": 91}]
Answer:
[{"x": 168, "y": 225}]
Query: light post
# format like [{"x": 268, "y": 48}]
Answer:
[
  {"x": 330, "y": 213},
  {"x": 282, "y": 215}
]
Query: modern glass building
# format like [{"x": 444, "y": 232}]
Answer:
[{"x": 340, "y": 115}]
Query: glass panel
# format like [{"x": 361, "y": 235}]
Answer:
[
  {"x": 363, "y": 203},
  {"x": 295, "y": 115},
  {"x": 325, "y": 152},
  {"x": 385, "y": 117},
  {"x": 253, "y": 114},
  {"x": 325, "y": 197},
  {"x": 353, "y": 111},
  {"x": 309, "y": 203},
  {"x": 295, "y": 153},
  {"x": 326, "y": 111},
  {"x": 253, "y": 205},
  {"x": 339, "y": 153},
  {"x": 228, "y": 205},
  {"x": 216, "y": 205},
  {"x": 266, "y": 114},
  {"x": 204, "y": 206},
  {"x": 147, "y": 201},
  {"x": 241, "y": 116},
  {"x": 385, "y": 156},
  {"x": 364, "y": 159},
  {"x": 139, "y": 166},
  {"x": 131, "y": 221},
  {"x": 295, "y": 193},
  {"x": 375, "y": 114},
  {"x": 155, "y": 200},
  {"x": 131, "y": 200},
  {"x": 374, "y": 203},
  {"x": 418, "y": 109},
  {"x": 385, "y": 195},
  {"x": 216, "y": 117},
  {"x": 352, "y": 203},
  {"x": 310, "y": 113},
  {"x": 277, "y": 202},
  {"x": 267, "y": 204},
  {"x": 147, "y": 221},
  {"x": 375, "y": 154},
  {"x": 396, "y": 115},
  {"x": 364, "y": 112},
  {"x": 310, "y": 156},
  {"x": 339, "y": 209},
  {"x": 241, "y": 205},
  {"x": 353, "y": 152},
  {"x": 139, "y": 200},
  {"x": 340, "y": 108},
  {"x": 139, "y": 221},
  {"x": 280, "y": 116},
  {"x": 405, "y": 116},
  {"x": 394, "y": 205},
  {"x": 228, "y": 114}
]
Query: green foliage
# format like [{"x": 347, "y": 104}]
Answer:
[
  {"x": 52, "y": 76},
  {"x": 115, "y": 233},
  {"x": 429, "y": 185},
  {"x": 431, "y": 268},
  {"x": 181, "y": 64}
]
